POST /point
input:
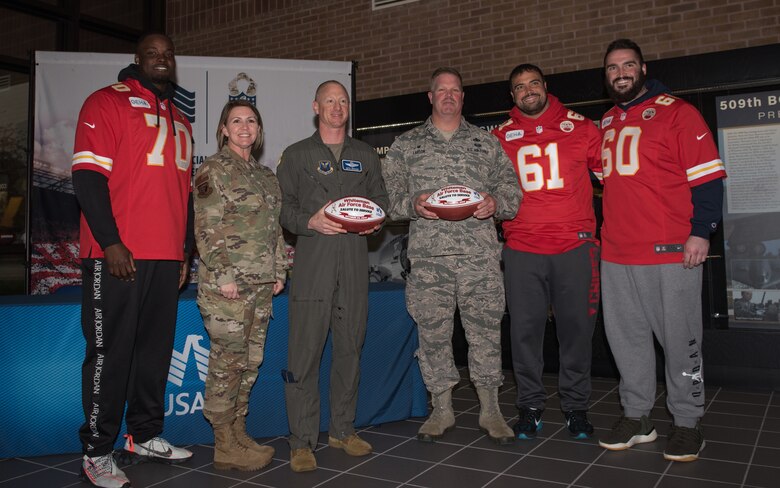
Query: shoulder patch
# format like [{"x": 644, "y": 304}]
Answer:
[
  {"x": 574, "y": 115},
  {"x": 202, "y": 185},
  {"x": 120, "y": 87}
]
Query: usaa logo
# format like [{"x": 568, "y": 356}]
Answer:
[{"x": 187, "y": 402}]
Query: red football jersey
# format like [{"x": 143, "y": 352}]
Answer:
[
  {"x": 652, "y": 155},
  {"x": 148, "y": 168},
  {"x": 552, "y": 155}
]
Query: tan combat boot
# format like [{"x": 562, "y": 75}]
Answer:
[
  {"x": 239, "y": 433},
  {"x": 302, "y": 460},
  {"x": 441, "y": 420},
  {"x": 229, "y": 454},
  {"x": 491, "y": 421}
]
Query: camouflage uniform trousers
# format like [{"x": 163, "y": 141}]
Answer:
[
  {"x": 237, "y": 329},
  {"x": 434, "y": 288}
]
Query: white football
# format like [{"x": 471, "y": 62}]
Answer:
[
  {"x": 454, "y": 202},
  {"x": 355, "y": 214}
]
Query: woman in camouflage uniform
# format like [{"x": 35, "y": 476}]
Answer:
[{"x": 242, "y": 265}]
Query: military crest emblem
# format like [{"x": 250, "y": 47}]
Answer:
[
  {"x": 325, "y": 167},
  {"x": 242, "y": 87}
]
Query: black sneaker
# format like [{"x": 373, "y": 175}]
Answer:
[
  {"x": 628, "y": 432},
  {"x": 684, "y": 444},
  {"x": 529, "y": 423},
  {"x": 578, "y": 424}
]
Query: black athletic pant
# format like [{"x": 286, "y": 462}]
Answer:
[
  {"x": 570, "y": 283},
  {"x": 129, "y": 329}
]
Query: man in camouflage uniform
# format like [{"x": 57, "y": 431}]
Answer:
[
  {"x": 329, "y": 289},
  {"x": 454, "y": 263},
  {"x": 242, "y": 265}
]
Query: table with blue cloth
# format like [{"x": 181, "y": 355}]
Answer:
[{"x": 41, "y": 346}]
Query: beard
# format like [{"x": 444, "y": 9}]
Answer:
[
  {"x": 629, "y": 94},
  {"x": 534, "y": 108}
]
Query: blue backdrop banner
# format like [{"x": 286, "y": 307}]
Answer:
[{"x": 42, "y": 347}]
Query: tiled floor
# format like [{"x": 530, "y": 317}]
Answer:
[{"x": 742, "y": 429}]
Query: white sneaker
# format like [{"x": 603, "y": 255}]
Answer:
[
  {"x": 157, "y": 449},
  {"x": 102, "y": 471}
]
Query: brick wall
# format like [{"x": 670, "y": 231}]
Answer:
[{"x": 397, "y": 48}]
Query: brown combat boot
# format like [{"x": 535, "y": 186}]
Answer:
[
  {"x": 229, "y": 454},
  {"x": 239, "y": 432}
]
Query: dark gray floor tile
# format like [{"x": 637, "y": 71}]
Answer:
[
  {"x": 47, "y": 477},
  {"x": 425, "y": 451},
  {"x": 763, "y": 476},
  {"x": 448, "y": 477},
  {"x": 568, "y": 451},
  {"x": 600, "y": 420},
  {"x": 56, "y": 460},
  {"x": 201, "y": 456},
  {"x": 145, "y": 474},
  {"x": 465, "y": 393},
  {"x": 706, "y": 469},
  {"x": 774, "y": 410},
  {"x": 547, "y": 469},
  {"x": 731, "y": 435},
  {"x": 769, "y": 439},
  {"x": 381, "y": 442},
  {"x": 722, "y": 451},
  {"x": 508, "y": 396},
  {"x": 337, "y": 459},
  {"x": 656, "y": 446},
  {"x": 11, "y": 468},
  {"x": 505, "y": 481},
  {"x": 237, "y": 475},
  {"x": 484, "y": 459},
  {"x": 610, "y": 397},
  {"x": 766, "y": 456},
  {"x": 351, "y": 481},
  {"x": 191, "y": 479},
  {"x": 561, "y": 433},
  {"x": 392, "y": 468},
  {"x": 406, "y": 428},
  {"x": 717, "y": 420},
  {"x": 517, "y": 447},
  {"x": 466, "y": 457},
  {"x": 607, "y": 477},
  {"x": 461, "y": 436},
  {"x": 677, "y": 482},
  {"x": 607, "y": 408},
  {"x": 758, "y": 398},
  {"x": 601, "y": 384},
  {"x": 634, "y": 459},
  {"x": 737, "y": 408},
  {"x": 461, "y": 405},
  {"x": 468, "y": 420},
  {"x": 772, "y": 424},
  {"x": 284, "y": 477},
  {"x": 508, "y": 410}
]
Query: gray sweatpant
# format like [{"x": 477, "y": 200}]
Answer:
[{"x": 665, "y": 300}]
